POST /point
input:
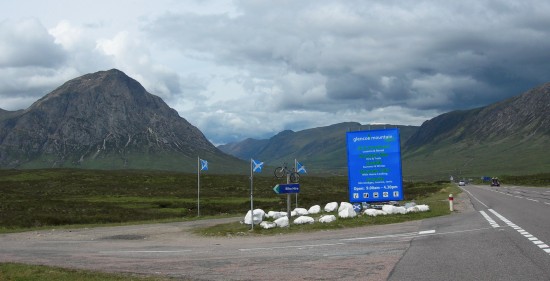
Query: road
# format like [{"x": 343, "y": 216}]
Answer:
[
  {"x": 505, "y": 237},
  {"x": 465, "y": 245}
]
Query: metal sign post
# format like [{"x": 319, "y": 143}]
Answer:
[
  {"x": 288, "y": 200},
  {"x": 251, "y": 196}
]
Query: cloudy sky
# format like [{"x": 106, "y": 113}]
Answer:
[{"x": 238, "y": 69}]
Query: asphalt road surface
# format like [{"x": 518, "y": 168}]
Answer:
[
  {"x": 504, "y": 236},
  {"x": 495, "y": 234}
]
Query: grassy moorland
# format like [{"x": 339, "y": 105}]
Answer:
[
  {"x": 528, "y": 180},
  {"x": 33, "y": 199},
  {"x": 434, "y": 195}
]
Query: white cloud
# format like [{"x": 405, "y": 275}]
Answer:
[
  {"x": 27, "y": 43},
  {"x": 243, "y": 68},
  {"x": 66, "y": 34}
]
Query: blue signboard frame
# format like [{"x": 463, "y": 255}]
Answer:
[{"x": 374, "y": 166}]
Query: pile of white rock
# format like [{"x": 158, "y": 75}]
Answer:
[{"x": 273, "y": 219}]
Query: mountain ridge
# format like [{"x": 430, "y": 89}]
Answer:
[
  {"x": 104, "y": 117},
  {"x": 488, "y": 140},
  {"x": 322, "y": 148}
]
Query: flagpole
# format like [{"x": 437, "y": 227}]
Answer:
[
  {"x": 251, "y": 195},
  {"x": 198, "y": 186},
  {"x": 296, "y": 170}
]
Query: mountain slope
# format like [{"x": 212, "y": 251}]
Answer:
[
  {"x": 508, "y": 137},
  {"x": 322, "y": 150},
  {"x": 102, "y": 120}
]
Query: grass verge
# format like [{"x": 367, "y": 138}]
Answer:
[
  {"x": 16, "y": 271},
  {"x": 437, "y": 199}
]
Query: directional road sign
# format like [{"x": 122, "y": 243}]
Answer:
[{"x": 287, "y": 188}]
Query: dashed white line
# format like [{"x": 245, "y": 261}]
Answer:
[
  {"x": 146, "y": 252},
  {"x": 492, "y": 222},
  {"x": 526, "y": 234},
  {"x": 291, "y": 247},
  {"x": 514, "y": 194}
]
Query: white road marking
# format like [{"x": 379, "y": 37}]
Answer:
[
  {"x": 145, "y": 251},
  {"x": 526, "y": 234},
  {"x": 426, "y": 232},
  {"x": 290, "y": 247},
  {"x": 409, "y": 234},
  {"x": 475, "y": 198},
  {"x": 513, "y": 194},
  {"x": 492, "y": 222}
]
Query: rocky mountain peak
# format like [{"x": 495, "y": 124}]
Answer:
[{"x": 96, "y": 115}]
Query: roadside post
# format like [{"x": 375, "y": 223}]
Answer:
[
  {"x": 288, "y": 214},
  {"x": 451, "y": 202}
]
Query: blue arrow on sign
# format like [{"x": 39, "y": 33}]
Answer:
[{"x": 287, "y": 188}]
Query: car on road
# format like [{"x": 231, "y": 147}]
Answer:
[{"x": 461, "y": 183}]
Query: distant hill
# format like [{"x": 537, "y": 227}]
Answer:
[
  {"x": 322, "y": 150},
  {"x": 508, "y": 137},
  {"x": 104, "y": 120}
]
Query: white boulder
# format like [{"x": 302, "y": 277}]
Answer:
[
  {"x": 327, "y": 218},
  {"x": 374, "y": 212},
  {"x": 282, "y": 222},
  {"x": 389, "y": 209},
  {"x": 304, "y": 220},
  {"x": 314, "y": 210},
  {"x": 275, "y": 215},
  {"x": 267, "y": 225},
  {"x": 331, "y": 207},
  {"x": 258, "y": 217},
  {"x": 346, "y": 210},
  {"x": 270, "y": 214},
  {"x": 400, "y": 210},
  {"x": 301, "y": 212},
  {"x": 423, "y": 208}
]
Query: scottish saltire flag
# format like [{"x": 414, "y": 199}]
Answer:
[
  {"x": 204, "y": 165},
  {"x": 257, "y": 166},
  {"x": 301, "y": 169}
]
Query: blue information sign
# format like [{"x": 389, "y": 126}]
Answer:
[
  {"x": 374, "y": 166},
  {"x": 287, "y": 188}
]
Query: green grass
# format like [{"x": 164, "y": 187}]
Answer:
[
  {"x": 472, "y": 159},
  {"x": 434, "y": 195},
  {"x": 55, "y": 198},
  {"x": 37, "y": 199},
  {"x": 15, "y": 271},
  {"x": 542, "y": 180}
]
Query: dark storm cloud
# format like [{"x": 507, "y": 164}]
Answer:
[{"x": 439, "y": 55}]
